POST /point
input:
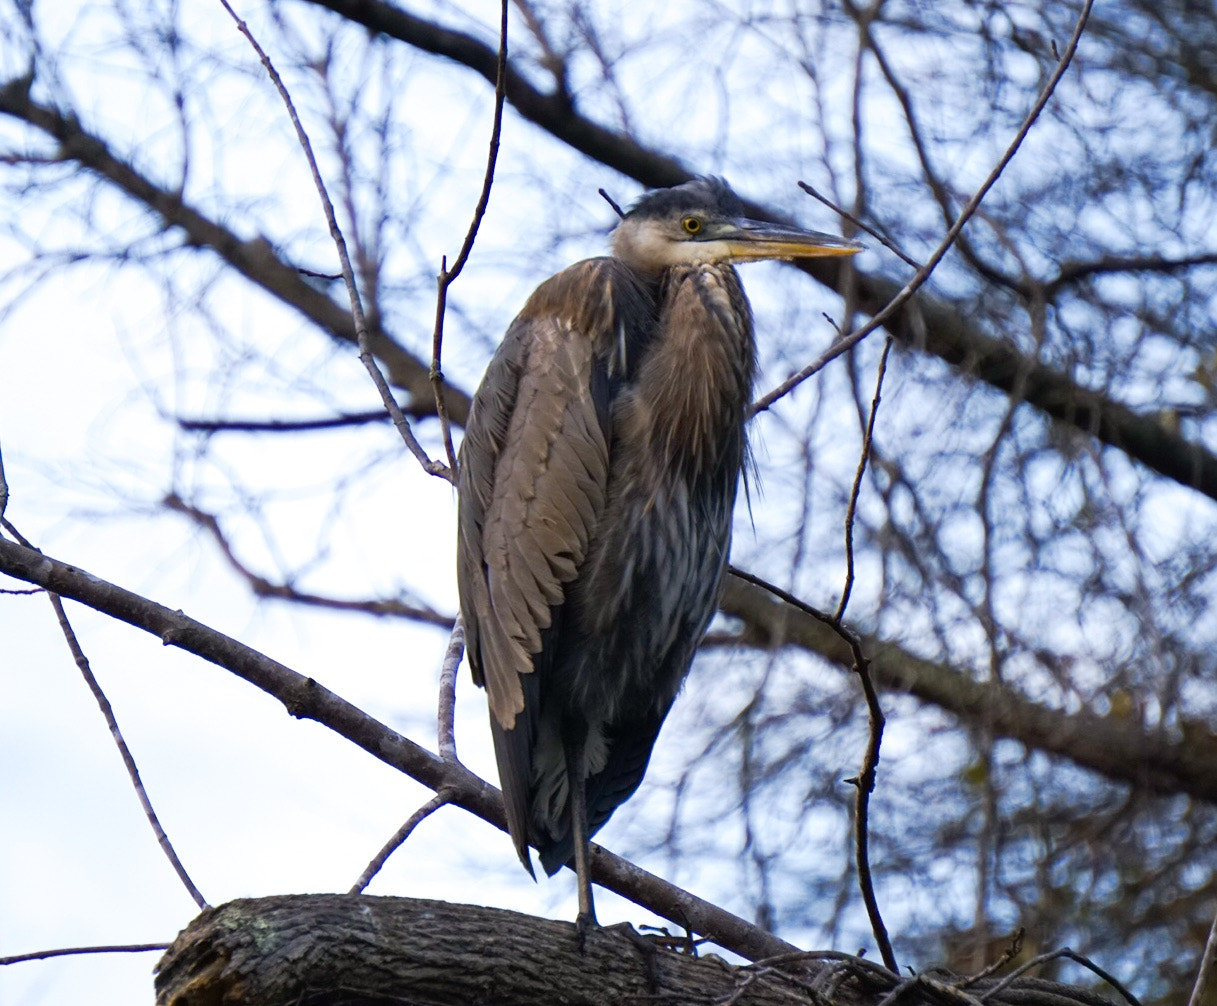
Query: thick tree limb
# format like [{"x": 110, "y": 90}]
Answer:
[
  {"x": 552, "y": 112},
  {"x": 331, "y": 949},
  {"x": 339, "y": 950},
  {"x": 925, "y": 323},
  {"x": 936, "y": 327},
  {"x": 1114, "y": 747},
  {"x": 306, "y": 699}
]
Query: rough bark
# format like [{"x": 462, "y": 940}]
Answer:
[{"x": 342, "y": 950}]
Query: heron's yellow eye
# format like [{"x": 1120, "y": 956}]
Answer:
[{"x": 692, "y": 225}]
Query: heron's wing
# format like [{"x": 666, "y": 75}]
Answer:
[
  {"x": 525, "y": 535},
  {"x": 534, "y": 468}
]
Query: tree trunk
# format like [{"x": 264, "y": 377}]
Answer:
[{"x": 345, "y": 950}]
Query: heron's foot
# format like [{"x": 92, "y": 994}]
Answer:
[
  {"x": 661, "y": 936},
  {"x": 585, "y": 923},
  {"x": 648, "y": 947}
]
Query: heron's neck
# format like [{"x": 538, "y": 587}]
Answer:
[{"x": 695, "y": 384}]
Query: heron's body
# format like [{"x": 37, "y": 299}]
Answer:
[{"x": 598, "y": 478}]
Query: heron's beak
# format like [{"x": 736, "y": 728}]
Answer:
[{"x": 752, "y": 240}]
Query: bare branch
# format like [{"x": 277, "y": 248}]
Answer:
[
  {"x": 262, "y": 587},
  {"x": 865, "y": 783},
  {"x": 847, "y": 343},
  {"x": 448, "y": 276},
  {"x": 366, "y": 356},
  {"x": 281, "y": 425},
  {"x": 306, "y": 699},
  {"x": 1055, "y": 955},
  {"x": 107, "y": 712},
  {"x": 116, "y": 948},
  {"x": 393, "y": 844},
  {"x": 446, "y": 732}
]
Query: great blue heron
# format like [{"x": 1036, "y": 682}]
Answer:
[{"x": 597, "y": 480}]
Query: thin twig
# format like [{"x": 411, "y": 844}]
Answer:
[
  {"x": 1204, "y": 991},
  {"x": 1053, "y": 955},
  {"x": 82, "y": 662},
  {"x": 860, "y": 224},
  {"x": 865, "y": 781},
  {"x": 118, "y": 948},
  {"x": 280, "y": 425},
  {"x": 856, "y": 488},
  {"x": 447, "y": 691},
  {"x": 402, "y": 833},
  {"x": 448, "y": 276},
  {"x": 1012, "y": 951},
  {"x": 846, "y": 343},
  {"x": 348, "y": 274}
]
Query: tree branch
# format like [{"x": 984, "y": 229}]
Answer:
[
  {"x": 924, "y": 323},
  {"x": 304, "y": 698},
  {"x": 335, "y": 950},
  {"x": 255, "y": 259},
  {"x": 366, "y": 356},
  {"x": 1108, "y": 745},
  {"x": 260, "y": 586}
]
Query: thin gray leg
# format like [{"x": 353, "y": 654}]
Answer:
[{"x": 578, "y": 818}]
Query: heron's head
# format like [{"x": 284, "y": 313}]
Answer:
[{"x": 703, "y": 221}]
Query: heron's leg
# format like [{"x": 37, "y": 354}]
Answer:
[{"x": 576, "y": 778}]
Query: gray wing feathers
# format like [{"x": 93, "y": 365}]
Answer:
[{"x": 526, "y": 532}]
